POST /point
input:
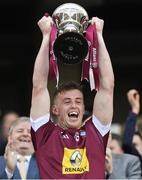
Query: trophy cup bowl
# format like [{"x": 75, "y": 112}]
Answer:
[{"x": 71, "y": 20}]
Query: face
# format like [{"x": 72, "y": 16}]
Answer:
[
  {"x": 20, "y": 138},
  {"x": 115, "y": 147},
  {"x": 8, "y": 120},
  {"x": 69, "y": 108},
  {"x": 138, "y": 143}
]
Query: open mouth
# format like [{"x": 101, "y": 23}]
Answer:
[
  {"x": 25, "y": 140},
  {"x": 73, "y": 114}
]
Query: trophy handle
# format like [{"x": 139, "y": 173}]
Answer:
[{"x": 56, "y": 20}]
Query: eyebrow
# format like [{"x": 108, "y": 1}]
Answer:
[
  {"x": 19, "y": 129},
  {"x": 78, "y": 98}
]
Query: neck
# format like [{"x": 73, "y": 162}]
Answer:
[{"x": 62, "y": 125}]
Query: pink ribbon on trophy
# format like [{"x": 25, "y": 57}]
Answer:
[
  {"x": 90, "y": 69},
  {"x": 53, "y": 70}
]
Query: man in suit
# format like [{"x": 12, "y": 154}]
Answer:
[
  {"x": 120, "y": 165},
  {"x": 19, "y": 152}
]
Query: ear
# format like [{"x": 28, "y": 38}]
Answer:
[
  {"x": 9, "y": 139},
  {"x": 55, "y": 110}
]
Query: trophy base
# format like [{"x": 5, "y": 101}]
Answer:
[{"x": 70, "y": 48}]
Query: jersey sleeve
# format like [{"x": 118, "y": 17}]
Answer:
[
  {"x": 36, "y": 124},
  {"x": 103, "y": 129},
  {"x": 41, "y": 130}
]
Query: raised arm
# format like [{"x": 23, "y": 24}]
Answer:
[
  {"x": 40, "y": 96},
  {"x": 130, "y": 125},
  {"x": 103, "y": 102},
  {"x": 134, "y": 100}
]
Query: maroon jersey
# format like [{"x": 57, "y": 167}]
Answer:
[{"x": 71, "y": 153}]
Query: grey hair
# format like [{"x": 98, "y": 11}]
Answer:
[{"x": 18, "y": 120}]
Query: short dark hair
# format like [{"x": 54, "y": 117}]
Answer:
[
  {"x": 118, "y": 138},
  {"x": 71, "y": 85}
]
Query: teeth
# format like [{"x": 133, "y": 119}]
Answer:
[
  {"x": 73, "y": 114},
  {"x": 22, "y": 140}
]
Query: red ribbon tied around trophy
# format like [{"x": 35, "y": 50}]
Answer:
[{"x": 90, "y": 69}]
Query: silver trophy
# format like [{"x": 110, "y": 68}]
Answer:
[{"x": 71, "y": 21}]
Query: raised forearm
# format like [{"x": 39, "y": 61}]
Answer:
[
  {"x": 105, "y": 67},
  {"x": 129, "y": 130},
  {"x": 41, "y": 68},
  {"x": 40, "y": 95},
  {"x": 103, "y": 102}
]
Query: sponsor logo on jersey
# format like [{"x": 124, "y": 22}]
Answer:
[
  {"x": 74, "y": 161},
  {"x": 64, "y": 136}
]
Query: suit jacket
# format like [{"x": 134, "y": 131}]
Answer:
[
  {"x": 33, "y": 172},
  {"x": 3, "y": 143},
  {"x": 125, "y": 166}
]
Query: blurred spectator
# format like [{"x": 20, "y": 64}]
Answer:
[
  {"x": 116, "y": 128},
  {"x": 132, "y": 142},
  {"x": 115, "y": 143},
  {"x": 19, "y": 150},
  {"x": 137, "y": 141},
  {"x": 118, "y": 164},
  {"x": 139, "y": 124},
  {"x": 7, "y": 119}
]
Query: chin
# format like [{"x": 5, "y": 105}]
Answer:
[{"x": 74, "y": 125}]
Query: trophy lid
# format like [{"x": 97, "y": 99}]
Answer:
[{"x": 70, "y": 7}]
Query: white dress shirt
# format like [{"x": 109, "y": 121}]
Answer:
[{"x": 9, "y": 174}]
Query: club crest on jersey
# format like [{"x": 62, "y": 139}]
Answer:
[
  {"x": 75, "y": 161},
  {"x": 83, "y": 133},
  {"x": 76, "y": 136}
]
